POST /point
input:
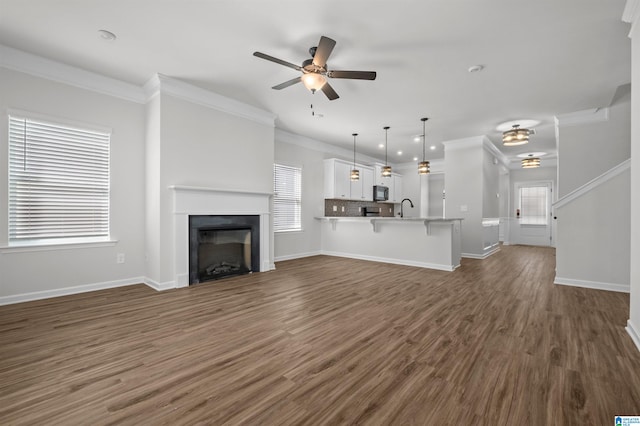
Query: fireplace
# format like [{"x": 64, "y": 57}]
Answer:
[{"x": 221, "y": 246}]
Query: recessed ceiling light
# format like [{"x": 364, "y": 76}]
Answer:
[
  {"x": 417, "y": 138},
  {"x": 415, "y": 158},
  {"x": 106, "y": 35},
  {"x": 380, "y": 145},
  {"x": 531, "y": 154},
  {"x": 475, "y": 68},
  {"x": 432, "y": 147},
  {"x": 399, "y": 152}
]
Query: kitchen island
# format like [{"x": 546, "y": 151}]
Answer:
[{"x": 427, "y": 242}]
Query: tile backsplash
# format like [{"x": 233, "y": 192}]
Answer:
[{"x": 345, "y": 208}]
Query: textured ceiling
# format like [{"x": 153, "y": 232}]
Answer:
[{"x": 542, "y": 58}]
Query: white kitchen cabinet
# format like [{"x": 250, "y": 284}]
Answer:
[
  {"x": 337, "y": 182},
  {"x": 362, "y": 189}
]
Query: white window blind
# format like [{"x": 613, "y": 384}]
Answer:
[
  {"x": 58, "y": 181},
  {"x": 287, "y": 200},
  {"x": 534, "y": 208}
]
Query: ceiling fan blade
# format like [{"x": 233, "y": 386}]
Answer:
[
  {"x": 277, "y": 61},
  {"x": 288, "y": 83},
  {"x": 328, "y": 90},
  {"x": 324, "y": 49},
  {"x": 356, "y": 75}
]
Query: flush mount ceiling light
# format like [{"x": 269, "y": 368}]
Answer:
[
  {"x": 530, "y": 162},
  {"x": 386, "y": 170},
  {"x": 423, "y": 166},
  {"x": 516, "y": 136},
  {"x": 106, "y": 35},
  {"x": 355, "y": 173}
]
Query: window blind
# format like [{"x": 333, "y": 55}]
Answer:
[
  {"x": 58, "y": 181},
  {"x": 287, "y": 200},
  {"x": 534, "y": 209}
]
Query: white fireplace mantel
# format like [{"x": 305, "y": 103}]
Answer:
[{"x": 195, "y": 200}]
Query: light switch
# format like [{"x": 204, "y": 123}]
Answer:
[
  {"x": 335, "y": 208},
  {"x": 342, "y": 209}
]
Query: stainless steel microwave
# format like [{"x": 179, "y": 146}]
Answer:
[{"x": 380, "y": 193}]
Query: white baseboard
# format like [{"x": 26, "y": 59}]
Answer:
[
  {"x": 159, "y": 286},
  {"x": 480, "y": 256},
  {"x": 634, "y": 332},
  {"x": 46, "y": 294},
  {"x": 297, "y": 256},
  {"x": 437, "y": 266},
  {"x": 621, "y": 288}
]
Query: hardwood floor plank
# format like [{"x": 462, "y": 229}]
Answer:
[{"x": 325, "y": 340}]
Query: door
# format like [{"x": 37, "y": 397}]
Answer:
[{"x": 532, "y": 225}]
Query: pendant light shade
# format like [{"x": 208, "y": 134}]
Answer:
[
  {"x": 423, "y": 166},
  {"x": 386, "y": 170},
  {"x": 355, "y": 173},
  {"x": 515, "y": 136},
  {"x": 530, "y": 163}
]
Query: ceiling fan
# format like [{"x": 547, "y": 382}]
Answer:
[{"x": 315, "y": 72}]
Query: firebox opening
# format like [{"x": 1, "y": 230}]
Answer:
[{"x": 221, "y": 246}]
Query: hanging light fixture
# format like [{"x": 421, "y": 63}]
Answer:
[
  {"x": 355, "y": 173},
  {"x": 515, "y": 136},
  {"x": 423, "y": 166},
  {"x": 386, "y": 170},
  {"x": 530, "y": 162},
  {"x": 313, "y": 81}
]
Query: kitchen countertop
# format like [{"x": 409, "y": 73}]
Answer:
[{"x": 417, "y": 219}]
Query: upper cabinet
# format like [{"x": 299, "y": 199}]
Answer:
[
  {"x": 393, "y": 182},
  {"x": 338, "y": 183}
]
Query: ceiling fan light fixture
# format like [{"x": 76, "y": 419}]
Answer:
[
  {"x": 515, "y": 136},
  {"x": 313, "y": 81}
]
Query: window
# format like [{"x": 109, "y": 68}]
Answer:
[
  {"x": 534, "y": 206},
  {"x": 58, "y": 182},
  {"x": 287, "y": 200}
]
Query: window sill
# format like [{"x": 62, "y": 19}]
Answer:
[
  {"x": 289, "y": 231},
  {"x": 43, "y": 246}
]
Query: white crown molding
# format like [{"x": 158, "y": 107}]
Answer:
[
  {"x": 316, "y": 145},
  {"x": 606, "y": 176},
  {"x": 493, "y": 150},
  {"x": 464, "y": 143},
  {"x": 166, "y": 85},
  {"x": 587, "y": 116},
  {"x": 630, "y": 14},
  {"x": 27, "y": 63}
]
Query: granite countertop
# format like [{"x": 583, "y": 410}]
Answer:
[{"x": 404, "y": 219}]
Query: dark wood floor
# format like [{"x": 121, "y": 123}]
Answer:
[{"x": 327, "y": 340}]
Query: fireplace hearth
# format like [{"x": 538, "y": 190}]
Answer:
[{"x": 223, "y": 246}]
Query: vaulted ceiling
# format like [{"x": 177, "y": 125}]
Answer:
[{"x": 541, "y": 58}]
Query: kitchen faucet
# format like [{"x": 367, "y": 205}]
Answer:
[{"x": 402, "y": 204}]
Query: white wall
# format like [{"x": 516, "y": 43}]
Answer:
[
  {"x": 588, "y": 147},
  {"x": 411, "y": 189},
  {"x": 634, "y": 316},
  {"x": 436, "y": 186},
  {"x": 490, "y": 186},
  {"x": 289, "y": 245},
  {"x": 593, "y": 237},
  {"x": 51, "y": 270}
]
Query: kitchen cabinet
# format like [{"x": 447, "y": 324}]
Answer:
[
  {"x": 337, "y": 181},
  {"x": 362, "y": 189}
]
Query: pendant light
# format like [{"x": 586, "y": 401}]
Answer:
[
  {"x": 423, "y": 166},
  {"x": 386, "y": 170},
  {"x": 355, "y": 173}
]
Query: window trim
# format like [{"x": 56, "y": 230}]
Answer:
[{"x": 45, "y": 244}]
